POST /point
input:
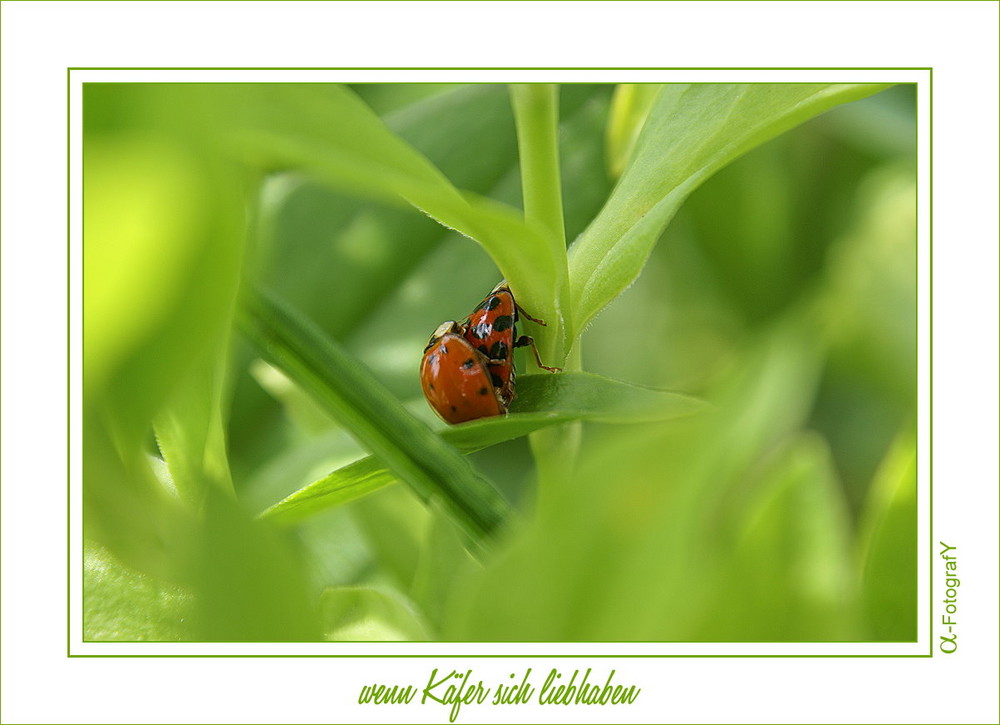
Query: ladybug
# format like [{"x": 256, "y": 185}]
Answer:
[
  {"x": 455, "y": 377},
  {"x": 491, "y": 329}
]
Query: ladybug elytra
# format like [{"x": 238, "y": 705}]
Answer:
[{"x": 455, "y": 378}]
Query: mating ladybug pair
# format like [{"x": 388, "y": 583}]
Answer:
[{"x": 468, "y": 368}]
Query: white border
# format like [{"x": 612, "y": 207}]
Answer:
[
  {"x": 38, "y": 683},
  {"x": 921, "y": 647}
]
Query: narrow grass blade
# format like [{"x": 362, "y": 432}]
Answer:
[
  {"x": 543, "y": 401},
  {"x": 407, "y": 447}
]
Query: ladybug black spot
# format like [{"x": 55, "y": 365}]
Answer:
[
  {"x": 503, "y": 322},
  {"x": 444, "y": 350},
  {"x": 453, "y": 409},
  {"x": 483, "y": 350},
  {"x": 430, "y": 385},
  {"x": 499, "y": 350},
  {"x": 483, "y": 391},
  {"x": 431, "y": 359},
  {"x": 492, "y": 303},
  {"x": 468, "y": 363}
]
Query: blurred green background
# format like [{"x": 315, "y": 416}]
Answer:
[{"x": 784, "y": 293}]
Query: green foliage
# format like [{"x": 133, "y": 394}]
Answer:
[
  {"x": 542, "y": 401},
  {"x": 263, "y": 265}
]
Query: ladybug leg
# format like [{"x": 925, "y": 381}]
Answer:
[
  {"x": 526, "y": 341},
  {"x": 525, "y": 315}
]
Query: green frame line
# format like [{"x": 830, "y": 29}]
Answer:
[{"x": 930, "y": 422}]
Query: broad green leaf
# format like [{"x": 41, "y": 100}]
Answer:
[
  {"x": 691, "y": 132},
  {"x": 362, "y": 405},
  {"x": 369, "y": 614},
  {"x": 162, "y": 255},
  {"x": 543, "y": 401},
  {"x": 888, "y": 546},
  {"x": 329, "y": 133},
  {"x": 319, "y": 240}
]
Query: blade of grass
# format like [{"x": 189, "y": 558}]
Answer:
[
  {"x": 543, "y": 401},
  {"x": 431, "y": 467}
]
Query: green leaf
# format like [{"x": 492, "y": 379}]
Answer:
[
  {"x": 165, "y": 217},
  {"x": 320, "y": 240},
  {"x": 329, "y": 133},
  {"x": 543, "y": 401},
  {"x": 190, "y": 431},
  {"x": 691, "y": 132},
  {"x": 442, "y": 561},
  {"x": 250, "y": 580},
  {"x": 122, "y": 604},
  {"x": 163, "y": 249},
  {"x": 379, "y": 422},
  {"x": 629, "y": 108},
  {"x": 367, "y": 614},
  {"x": 789, "y": 571},
  {"x": 888, "y": 546}
]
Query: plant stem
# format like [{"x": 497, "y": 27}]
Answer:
[{"x": 536, "y": 116}]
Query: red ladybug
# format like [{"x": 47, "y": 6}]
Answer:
[
  {"x": 491, "y": 329},
  {"x": 468, "y": 368},
  {"x": 455, "y": 379}
]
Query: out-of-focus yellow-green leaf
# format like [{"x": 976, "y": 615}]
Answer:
[
  {"x": 249, "y": 580},
  {"x": 190, "y": 430},
  {"x": 789, "y": 573},
  {"x": 872, "y": 283},
  {"x": 368, "y": 614},
  {"x": 442, "y": 560},
  {"x": 162, "y": 254},
  {"x": 629, "y": 108},
  {"x": 122, "y": 604},
  {"x": 888, "y": 546}
]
